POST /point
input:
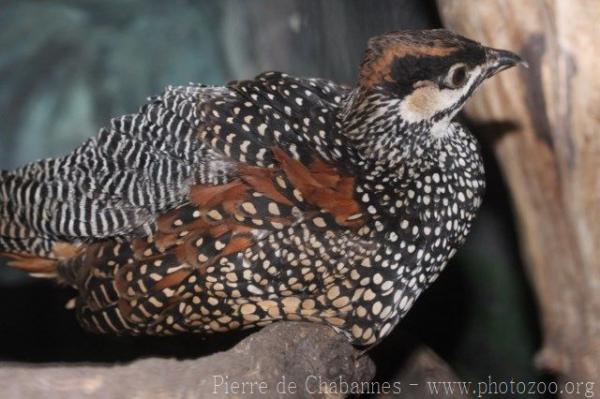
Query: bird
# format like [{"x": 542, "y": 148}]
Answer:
[{"x": 217, "y": 208}]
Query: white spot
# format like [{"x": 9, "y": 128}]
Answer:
[
  {"x": 244, "y": 146},
  {"x": 261, "y": 129},
  {"x": 254, "y": 289}
]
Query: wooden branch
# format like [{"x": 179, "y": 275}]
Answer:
[
  {"x": 285, "y": 357},
  {"x": 551, "y": 159}
]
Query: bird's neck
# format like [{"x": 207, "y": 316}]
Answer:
[
  {"x": 394, "y": 158},
  {"x": 385, "y": 141}
]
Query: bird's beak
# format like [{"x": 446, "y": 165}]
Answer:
[{"x": 499, "y": 60}]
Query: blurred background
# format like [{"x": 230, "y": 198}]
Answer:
[{"x": 67, "y": 67}]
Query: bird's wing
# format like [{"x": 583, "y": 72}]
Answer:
[
  {"x": 118, "y": 183},
  {"x": 224, "y": 243},
  {"x": 143, "y": 164},
  {"x": 113, "y": 184}
]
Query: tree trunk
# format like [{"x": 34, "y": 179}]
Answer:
[{"x": 550, "y": 157}]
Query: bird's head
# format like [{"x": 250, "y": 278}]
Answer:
[
  {"x": 431, "y": 72},
  {"x": 422, "y": 78}
]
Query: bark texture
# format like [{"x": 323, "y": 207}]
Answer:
[
  {"x": 546, "y": 126},
  {"x": 289, "y": 360}
]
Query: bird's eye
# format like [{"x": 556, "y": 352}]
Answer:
[{"x": 457, "y": 76}]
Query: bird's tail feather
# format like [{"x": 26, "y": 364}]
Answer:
[
  {"x": 34, "y": 265},
  {"x": 17, "y": 245}
]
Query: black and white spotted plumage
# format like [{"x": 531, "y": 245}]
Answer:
[{"x": 215, "y": 208}]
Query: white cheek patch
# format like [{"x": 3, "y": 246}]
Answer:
[{"x": 428, "y": 99}]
